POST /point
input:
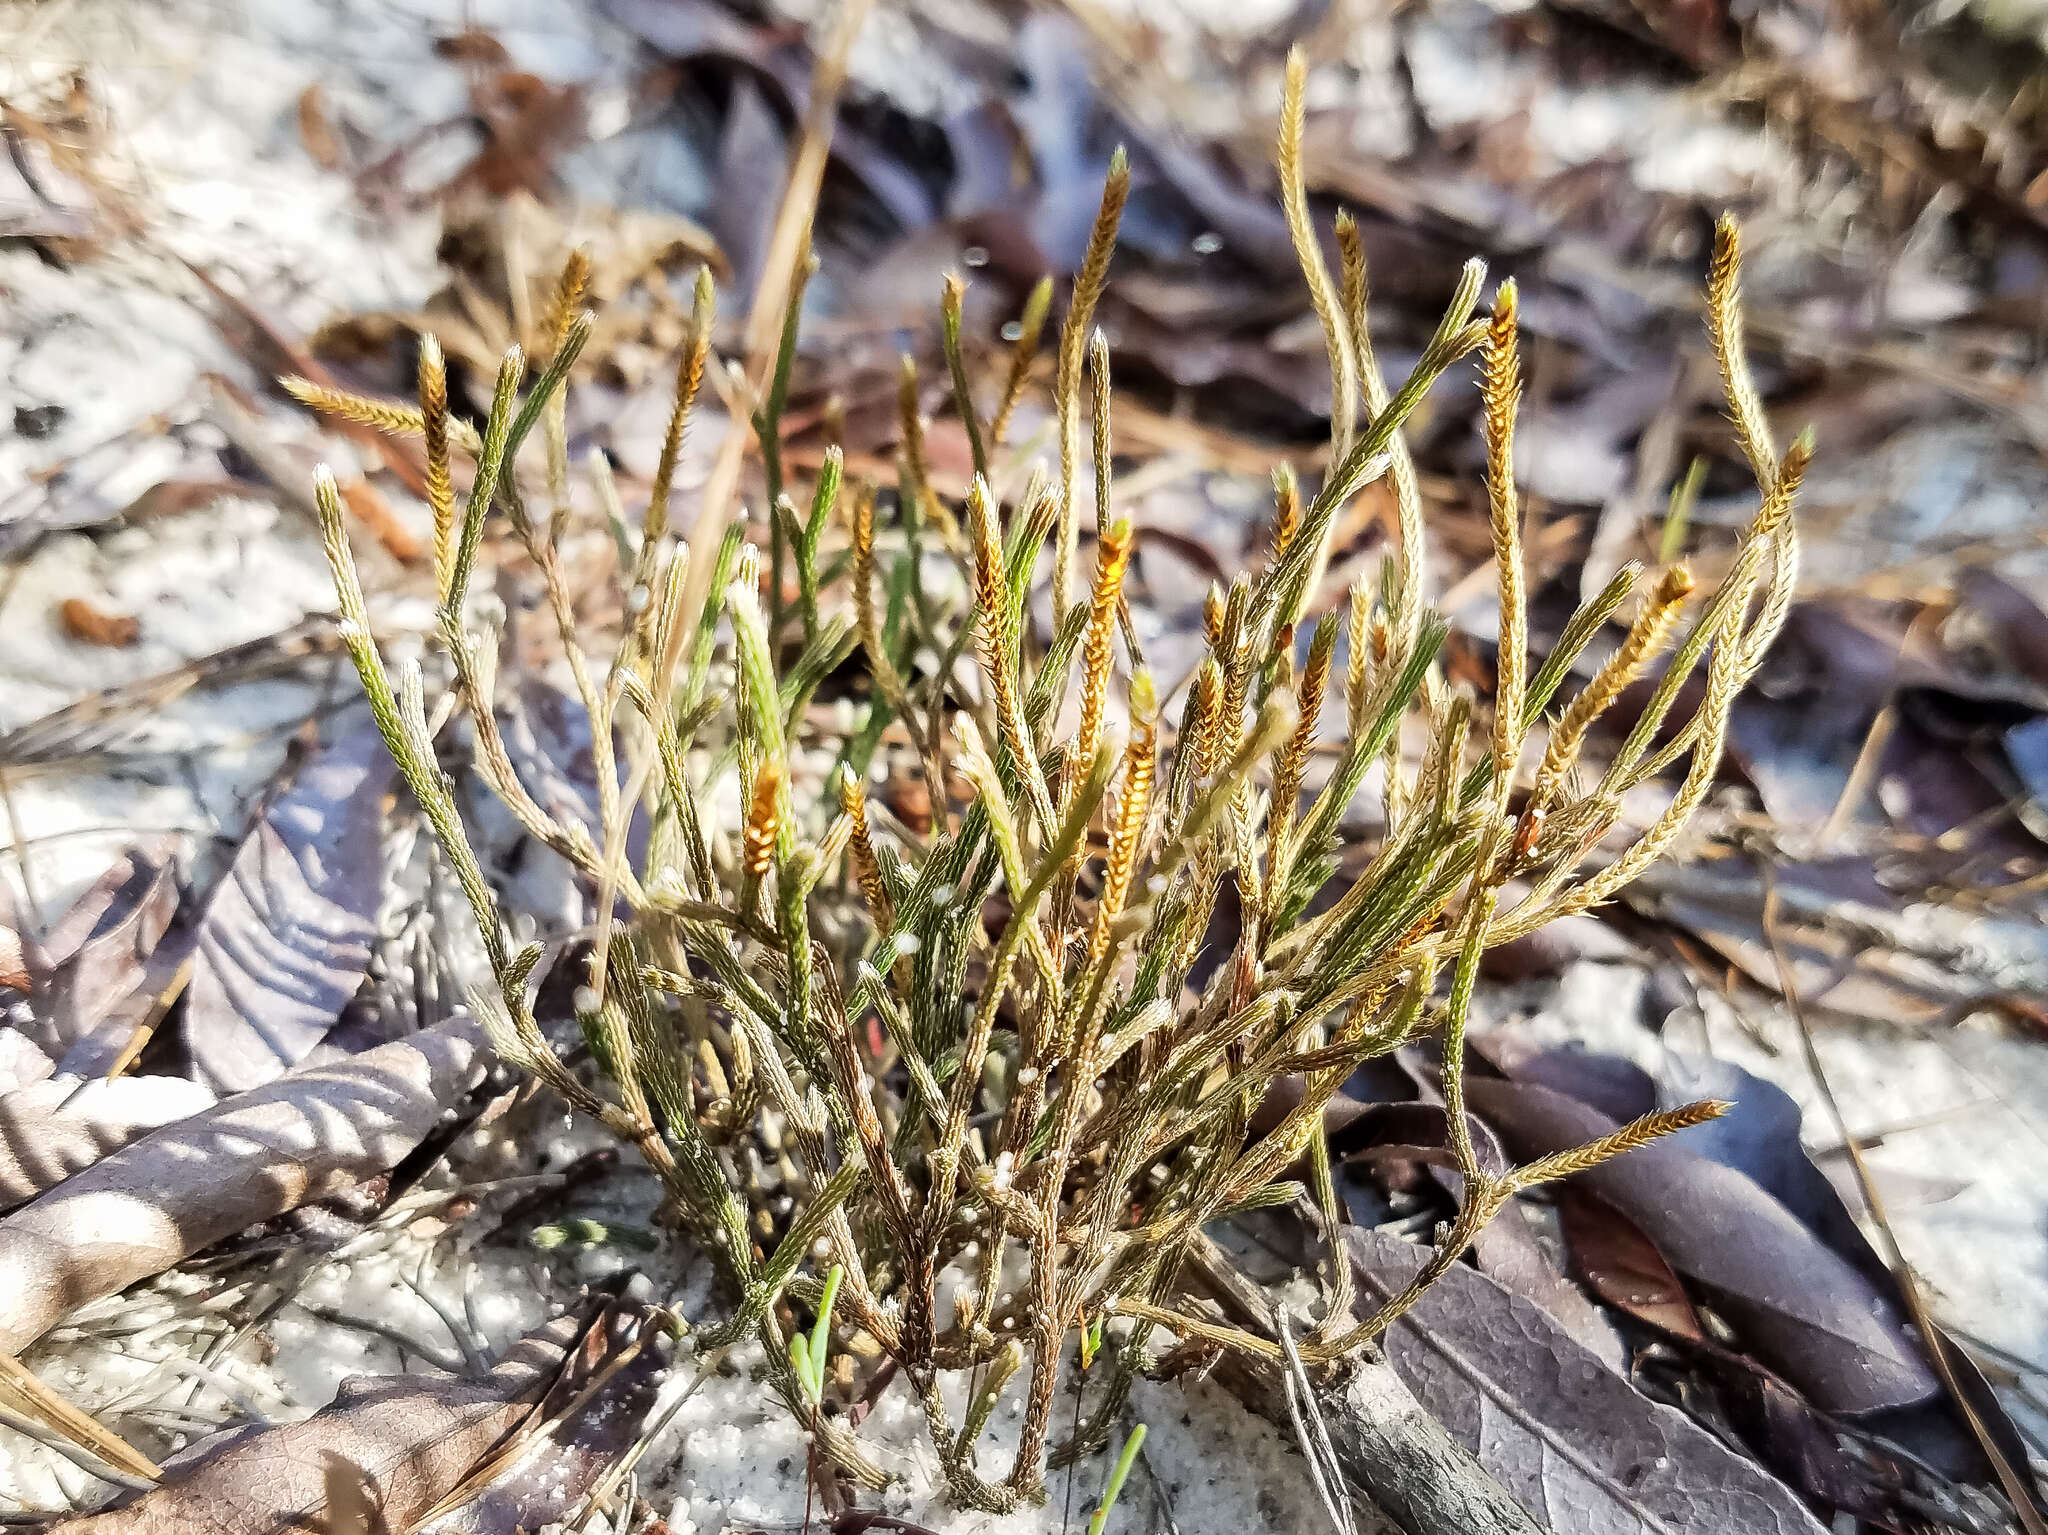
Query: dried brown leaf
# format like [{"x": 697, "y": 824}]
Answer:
[
  {"x": 286, "y": 937},
  {"x": 1624, "y": 1267},
  {"x": 409, "y": 1438},
  {"x": 91, "y": 625},
  {"x": 188, "y": 1185},
  {"x": 60, "y": 1126},
  {"x": 95, "y": 962},
  {"x": 1806, "y": 1309},
  {"x": 1572, "y": 1440},
  {"x": 550, "y": 1477},
  {"x": 13, "y": 963},
  {"x": 316, "y": 128},
  {"x": 1508, "y": 1248}
]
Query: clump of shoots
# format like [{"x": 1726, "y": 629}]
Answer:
[
  {"x": 1006, "y": 1043},
  {"x": 807, "y": 1355}
]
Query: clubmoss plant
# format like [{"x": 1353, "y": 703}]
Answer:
[{"x": 976, "y": 1051}]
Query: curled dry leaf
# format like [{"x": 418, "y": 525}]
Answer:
[
  {"x": 316, "y": 128},
  {"x": 1516, "y": 1258},
  {"x": 186, "y": 1186},
  {"x": 1760, "y": 1138},
  {"x": 13, "y": 964},
  {"x": 96, "y": 961},
  {"x": 286, "y": 937},
  {"x": 410, "y": 1439},
  {"x": 1805, "y": 1309},
  {"x": 1572, "y": 1440},
  {"x": 61, "y": 1126},
  {"x": 91, "y": 625},
  {"x": 1799, "y": 1444}
]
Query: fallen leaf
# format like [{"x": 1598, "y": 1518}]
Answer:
[
  {"x": 316, "y": 128},
  {"x": 60, "y": 1126},
  {"x": 1378, "y": 1132},
  {"x": 551, "y": 1477},
  {"x": 1816, "y": 1318},
  {"x": 95, "y": 626},
  {"x": 1760, "y": 1137},
  {"x": 350, "y": 1498},
  {"x": 1777, "y": 1424},
  {"x": 182, "y": 1188},
  {"x": 1799, "y": 1444},
  {"x": 27, "y": 214},
  {"x": 13, "y": 963},
  {"x": 1576, "y": 1444},
  {"x": 1514, "y": 1256},
  {"x": 1798, "y": 732},
  {"x": 527, "y": 122},
  {"x": 410, "y": 1438},
  {"x": 1509, "y": 1248},
  {"x": 96, "y": 958},
  {"x": 2026, "y": 748},
  {"x": 286, "y": 937},
  {"x": 1624, "y": 1267},
  {"x": 2014, "y": 627}
]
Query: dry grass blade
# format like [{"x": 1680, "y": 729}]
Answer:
[
  {"x": 1311, "y": 1433},
  {"x": 22, "y": 1386}
]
